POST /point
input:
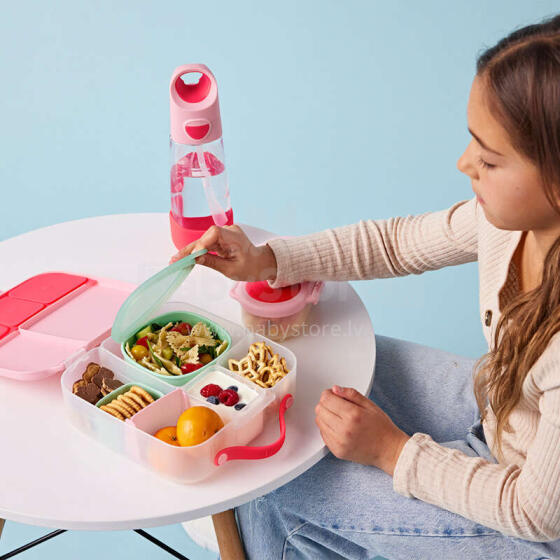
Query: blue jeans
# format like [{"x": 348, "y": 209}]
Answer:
[{"x": 340, "y": 509}]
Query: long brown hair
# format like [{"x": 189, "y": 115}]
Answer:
[{"x": 522, "y": 78}]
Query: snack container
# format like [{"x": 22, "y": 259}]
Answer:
[
  {"x": 277, "y": 313},
  {"x": 188, "y": 317}
]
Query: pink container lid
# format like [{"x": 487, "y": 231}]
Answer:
[
  {"x": 47, "y": 320},
  {"x": 14, "y": 312},
  {"x": 259, "y": 299}
]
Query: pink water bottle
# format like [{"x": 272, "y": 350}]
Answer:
[{"x": 199, "y": 185}]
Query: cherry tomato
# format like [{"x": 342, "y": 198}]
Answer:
[
  {"x": 143, "y": 342},
  {"x": 183, "y": 328},
  {"x": 189, "y": 368},
  {"x": 139, "y": 352}
]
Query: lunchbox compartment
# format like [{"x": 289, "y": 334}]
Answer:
[
  {"x": 85, "y": 416},
  {"x": 283, "y": 387},
  {"x": 236, "y": 333},
  {"x": 193, "y": 463},
  {"x": 225, "y": 379},
  {"x": 124, "y": 389},
  {"x": 192, "y": 319},
  {"x": 182, "y": 464}
]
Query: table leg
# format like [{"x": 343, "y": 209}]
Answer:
[
  {"x": 227, "y": 533},
  {"x": 2, "y": 521}
]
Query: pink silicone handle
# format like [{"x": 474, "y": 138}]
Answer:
[{"x": 254, "y": 452}]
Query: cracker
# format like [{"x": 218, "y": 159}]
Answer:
[
  {"x": 137, "y": 399},
  {"x": 131, "y": 410},
  {"x": 126, "y": 398},
  {"x": 142, "y": 393},
  {"x": 115, "y": 405},
  {"x": 112, "y": 412}
]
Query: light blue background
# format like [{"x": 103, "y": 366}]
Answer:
[{"x": 332, "y": 112}]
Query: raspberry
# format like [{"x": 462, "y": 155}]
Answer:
[
  {"x": 210, "y": 390},
  {"x": 228, "y": 397}
]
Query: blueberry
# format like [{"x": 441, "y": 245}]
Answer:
[
  {"x": 213, "y": 400},
  {"x": 239, "y": 406},
  {"x": 234, "y": 388}
]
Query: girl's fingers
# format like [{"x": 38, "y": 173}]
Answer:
[
  {"x": 209, "y": 240},
  {"x": 351, "y": 395},
  {"x": 329, "y": 437},
  {"x": 327, "y": 417},
  {"x": 336, "y": 404}
]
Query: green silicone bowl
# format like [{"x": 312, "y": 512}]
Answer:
[{"x": 187, "y": 317}]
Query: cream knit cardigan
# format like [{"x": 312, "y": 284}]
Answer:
[{"x": 521, "y": 495}]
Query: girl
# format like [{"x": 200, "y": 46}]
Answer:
[{"x": 491, "y": 487}]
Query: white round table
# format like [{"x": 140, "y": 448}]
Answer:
[{"x": 54, "y": 476}]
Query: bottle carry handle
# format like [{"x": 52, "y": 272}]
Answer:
[{"x": 257, "y": 452}]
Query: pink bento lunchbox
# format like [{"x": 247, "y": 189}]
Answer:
[{"x": 57, "y": 323}]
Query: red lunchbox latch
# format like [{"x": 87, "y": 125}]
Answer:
[{"x": 257, "y": 452}]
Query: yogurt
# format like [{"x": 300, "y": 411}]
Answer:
[{"x": 223, "y": 380}]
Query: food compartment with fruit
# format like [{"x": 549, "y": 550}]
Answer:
[
  {"x": 180, "y": 435},
  {"x": 177, "y": 346}
]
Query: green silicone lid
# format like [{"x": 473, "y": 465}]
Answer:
[{"x": 140, "y": 305}]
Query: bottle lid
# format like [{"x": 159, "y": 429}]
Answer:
[
  {"x": 140, "y": 305},
  {"x": 195, "y": 109}
]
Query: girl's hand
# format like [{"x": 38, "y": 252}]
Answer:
[
  {"x": 236, "y": 257},
  {"x": 356, "y": 429}
]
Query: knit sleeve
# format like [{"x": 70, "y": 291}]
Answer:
[
  {"x": 521, "y": 501},
  {"x": 380, "y": 248}
]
